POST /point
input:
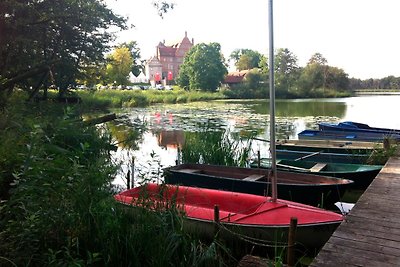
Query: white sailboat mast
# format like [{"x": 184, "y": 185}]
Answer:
[{"x": 272, "y": 103}]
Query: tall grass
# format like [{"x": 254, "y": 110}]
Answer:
[
  {"x": 117, "y": 99},
  {"x": 216, "y": 147},
  {"x": 58, "y": 209}
]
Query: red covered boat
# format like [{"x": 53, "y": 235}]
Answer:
[{"x": 249, "y": 215}]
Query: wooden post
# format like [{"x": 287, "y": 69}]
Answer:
[
  {"x": 133, "y": 172},
  {"x": 291, "y": 241},
  {"x": 386, "y": 143},
  {"x": 178, "y": 155},
  {"x": 128, "y": 178},
  {"x": 216, "y": 219}
]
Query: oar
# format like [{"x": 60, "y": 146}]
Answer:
[
  {"x": 310, "y": 155},
  {"x": 292, "y": 167}
]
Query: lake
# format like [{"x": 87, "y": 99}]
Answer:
[{"x": 158, "y": 131}]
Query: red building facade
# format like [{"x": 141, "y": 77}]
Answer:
[{"x": 171, "y": 58}]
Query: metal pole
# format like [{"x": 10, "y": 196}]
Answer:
[{"x": 272, "y": 103}]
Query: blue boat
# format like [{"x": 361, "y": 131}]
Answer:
[
  {"x": 348, "y": 135},
  {"x": 347, "y": 126}
]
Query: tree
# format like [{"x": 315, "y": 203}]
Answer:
[
  {"x": 318, "y": 58},
  {"x": 337, "y": 79},
  {"x": 253, "y": 78},
  {"x": 72, "y": 34},
  {"x": 55, "y": 41},
  {"x": 314, "y": 75},
  {"x": 119, "y": 66},
  {"x": 203, "y": 67},
  {"x": 246, "y": 59},
  {"x": 286, "y": 70},
  {"x": 137, "y": 63}
]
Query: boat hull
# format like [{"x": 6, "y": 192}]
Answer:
[
  {"x": 347, "y": 135},
  {"x": 322, "y": 156},
  {"x": 240, "y": 215},
  {"x": 362, "y": 175},
  {"x": 337, "y": 147},
  {"x": 309, "y": 189},
  {"x": 347, "y": 126}
]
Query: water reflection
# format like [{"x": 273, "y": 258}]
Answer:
[
  {"x": 171, "y": 139},
  {"x": 159, "y": 130}
]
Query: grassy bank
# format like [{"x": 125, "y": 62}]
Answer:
[
  {"x": 140, "y": 98},
  {"x": 57, "y": 206}
]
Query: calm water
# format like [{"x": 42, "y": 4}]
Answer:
[{"x": 159, "y": 130}]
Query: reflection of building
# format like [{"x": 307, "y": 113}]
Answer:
[
  {"x": 165, "y": 65},
  {"x": 171, "y": 139}
]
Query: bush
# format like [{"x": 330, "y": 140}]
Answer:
[{"x": 61, "y": 211}]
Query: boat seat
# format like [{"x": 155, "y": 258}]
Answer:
[
  {"x": 190, "y": 170},
  {"x": 317, "y": 167},
  {"x": 254, "y": 177}
]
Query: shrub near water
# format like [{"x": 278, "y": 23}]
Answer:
[
  {"x": 61, "y": 211},
  {"x": 139, "y": 98}
]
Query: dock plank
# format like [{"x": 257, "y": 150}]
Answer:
[{"x": 370, "y": 235}]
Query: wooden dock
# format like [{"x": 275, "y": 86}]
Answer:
[{"x": 370, "y": 235}]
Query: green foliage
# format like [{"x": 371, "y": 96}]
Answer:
[
  {"x": 104, "y": 99},
  {"x": 119, "y": 66},
  {"x": 63, "y": 35},
  {"x": 246, "y": 59},
  {"x": 138, "y": 63},
  {"x": 203, "y": 68},
  {"x": 215, "y": 147},
  {"x": 286, "y": 70},
  {"x": 380, "y": 156},
  {"x": 60, "y": 211}
]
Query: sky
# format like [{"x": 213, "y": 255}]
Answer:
[{"x": 359, "y": 36}]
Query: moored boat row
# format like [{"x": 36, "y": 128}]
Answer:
[
  {"x": 350, "y": 131},
  {"x": 311, "y": 189}
]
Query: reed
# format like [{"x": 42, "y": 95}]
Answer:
[
  {"x": 128, "y": 98},
  {"x": 59, "y": 208},
  {"x": 216, "y": 147}
]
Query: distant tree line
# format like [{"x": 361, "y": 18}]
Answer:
[
  {"x": 389, "y": 82},
  {"x": 316, "y": 79}
]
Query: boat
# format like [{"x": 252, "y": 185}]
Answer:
[
  {"x": 355, "y": 127},
  {"x": 322, "y": 156},
  {"x": 311, "y": 189},
  {"x": 330, "y": 146},
  {"x": 246, "y": 215},
  {"x": 348, "y": 135},
  {"x": 361, "y": 174}
]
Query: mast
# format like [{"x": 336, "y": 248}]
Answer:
[{"x": 272, "y": 147}]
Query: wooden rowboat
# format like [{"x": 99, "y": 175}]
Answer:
[
  {"x": 322, "y": 156},
  {"x": 330, "y": 146},
  {"x": 240, "y": 214},
  {"x": 299, "y": 187},
  {"x": 361, "y": 174}
]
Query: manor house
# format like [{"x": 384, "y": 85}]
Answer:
[{"x": 164, "y": 66}]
